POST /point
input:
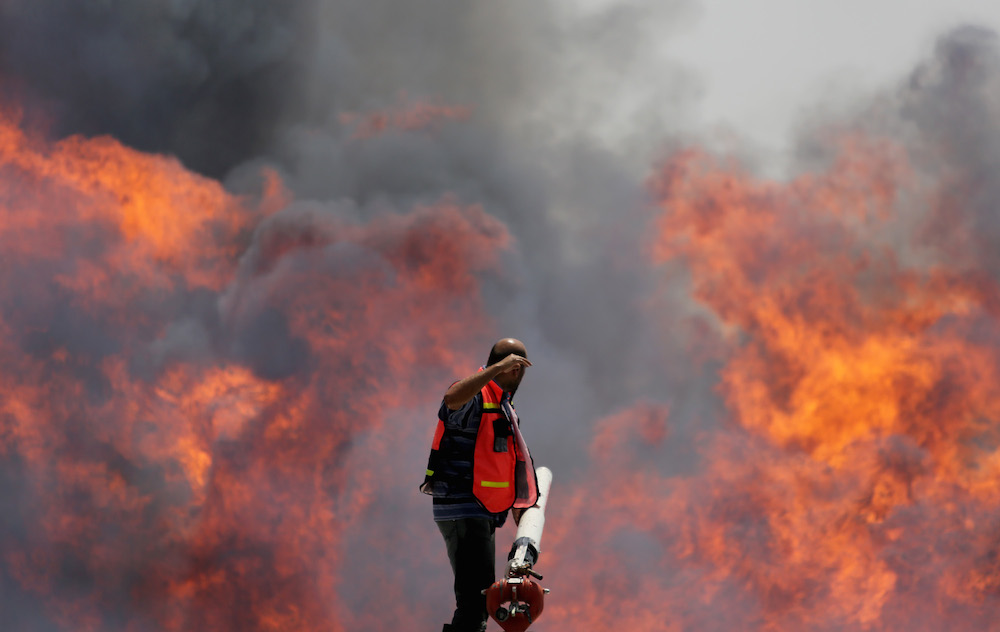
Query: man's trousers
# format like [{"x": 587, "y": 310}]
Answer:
[{"x": 472, "y": 553}]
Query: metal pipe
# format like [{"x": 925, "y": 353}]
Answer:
[{"x": 527, "y": 542}]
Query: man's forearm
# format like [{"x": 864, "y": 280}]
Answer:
[{"x": 465, "y": 389}]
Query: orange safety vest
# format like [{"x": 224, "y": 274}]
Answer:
[{"x": 503, "y": 475}]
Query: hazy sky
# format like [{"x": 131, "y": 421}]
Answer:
[{"x": 761, "y": 63}]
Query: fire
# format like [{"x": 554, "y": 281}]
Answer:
[
  {"x": 186, "y": 374},
  {"x": 216, "y": 408},
  {"x": 98, "y": 185},
  {"x": 854, "y": 484}
]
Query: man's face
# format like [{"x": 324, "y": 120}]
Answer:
[{"x": 510, "y": 380}]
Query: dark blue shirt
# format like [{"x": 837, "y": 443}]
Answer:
[{"x": 461, "y": 428}]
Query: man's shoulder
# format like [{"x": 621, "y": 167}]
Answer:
[{"x": 474, "y": 404}]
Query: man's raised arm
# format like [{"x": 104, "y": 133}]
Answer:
[{"x": 462, "y": 391}]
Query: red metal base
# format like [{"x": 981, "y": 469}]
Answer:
[{"x": 515, "y": 603}]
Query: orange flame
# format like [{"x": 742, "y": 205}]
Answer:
[{"x": 855, "y": 487}]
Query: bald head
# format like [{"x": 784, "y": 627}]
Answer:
[
  {"x": 504, "y": 347},
  {"x": 512, "y": 373}
]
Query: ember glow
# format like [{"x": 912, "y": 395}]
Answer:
[{"x": 408, "y": 115}]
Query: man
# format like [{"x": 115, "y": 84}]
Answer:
[{"x": 478, "y": 469}]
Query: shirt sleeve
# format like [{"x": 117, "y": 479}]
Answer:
[{"x": 458, "y": 419}]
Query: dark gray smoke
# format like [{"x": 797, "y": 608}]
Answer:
[
  {"x": 219, "y": 82},
  {"x": 206, "y": 81},
  {"x": 953, "y": 100}
]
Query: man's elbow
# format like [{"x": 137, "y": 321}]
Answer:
[{"x": 451, "y": 401}]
